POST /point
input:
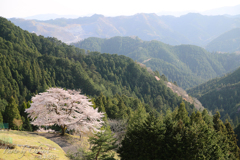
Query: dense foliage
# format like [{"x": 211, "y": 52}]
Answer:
[
  {"x": 30, "y": 64},
  {"x": 221, "y": 94},
  {"x": 188, "y": 65},
  {"x": 180, "y": 136}
]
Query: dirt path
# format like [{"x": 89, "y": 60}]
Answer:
[{"x": 67, "y": 143}]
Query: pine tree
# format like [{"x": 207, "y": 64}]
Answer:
[
  {"x": 232, "y": 138},
  {"x": 103, "y": 143},
  {"x": 198, "y": 117},
  {"x": 143, "y": 141},
  {"x": 122, "y": 109},
  {"x": 206, "y": 117},
  {"x": 182, "y": 114},
  {"x": 138, "y": 117},
  {"x": 99, "y": 103},
  {"x": 26, "y": 122},
  {"x": 11, "y": 112},
  {"x": 218, "y": 124},
  {"x": 1, "y": 118},
  {"x": 192, "y": 118}
]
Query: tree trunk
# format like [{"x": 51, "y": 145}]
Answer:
[
  {"x": 63, "y": 130},
  {"x": 98, "y": 153}
]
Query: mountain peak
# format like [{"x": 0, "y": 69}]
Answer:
[{"x": 97, "y": 16}]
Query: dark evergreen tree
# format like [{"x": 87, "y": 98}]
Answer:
[
  {"x": 232, "y": 140},
  {"x": 102, "y": 144},
  {"x": 1, "y": 118},
  {"x": 11, "y": 112},
  {"x": 26, "y": 122},
  {"x": 143, "y": 141},
  {"x": 183, "y": 114}
]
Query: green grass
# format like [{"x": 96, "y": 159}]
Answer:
[{"x": 48, "y": 148}]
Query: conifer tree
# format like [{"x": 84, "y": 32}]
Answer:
[
  {"x": 237, "y": 131},
  {"x": 182, "y": 114},
  {"x": 122, "y": 109},
  {"x": 143, "y": 141},
  {"x": 198, "y": 117},
  {"x": 103, "y": 143},
  {"x": 26, "y": 122},
  {"x": 99, "y": 103},
  {"x": 11, "y": 112},
  {"x": 218, "y": 124},
  {"x": 138, "y": 117},
  {"x": 232, "y": 138},
  {"x": 206, "y": 117},
  {"x": 192, "y": 118},
  {"x": 1, "y": 118}
]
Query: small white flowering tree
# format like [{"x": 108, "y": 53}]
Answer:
[{"x": 65, "y": 108}]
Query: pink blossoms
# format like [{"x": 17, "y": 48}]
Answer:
[{"x": 65, "y": 108}]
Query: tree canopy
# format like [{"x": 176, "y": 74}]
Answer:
[{"x": 66, "y": 108}]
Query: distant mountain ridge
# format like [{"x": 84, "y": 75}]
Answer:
[
  {"x": 30, "y": 64},
  {"x": 221, "y": 94},
  {"x": 227, "y": 42},
  {"x": 192, "y": 28},
  {"x": 188, "y": 65}
]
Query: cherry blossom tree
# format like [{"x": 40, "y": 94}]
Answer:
[{"x": 65, "y": 108}]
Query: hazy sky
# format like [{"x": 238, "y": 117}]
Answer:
[{"x": 25, "y": 8}]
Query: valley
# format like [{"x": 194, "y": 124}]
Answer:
[{"x": 126, "y": 87}]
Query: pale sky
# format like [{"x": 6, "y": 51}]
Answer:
[{"x": 25, "y": 8}]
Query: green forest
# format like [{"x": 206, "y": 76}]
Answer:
[
  {"x": 30, "y": 64},
  {"x": 188, "y": 65},
  {"x": 221, "y": 94},
  {"x": 159, "y": 123}
]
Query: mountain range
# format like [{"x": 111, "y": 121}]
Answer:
[
  {"x": 29, "y": 64},
  {"x": 221, "y": 94},
  {"x": 188, "y": 65},
  {"x": 192, "y": 28},
  {"x": 150, "y": 110},
  {"x": 228, "y": 10},
  {"x": 227, "y": 42}
]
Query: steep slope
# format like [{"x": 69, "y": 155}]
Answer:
[
  {"x": 188, "y": 65},
  {"x": 221, "y": 94},
  {"x": 227, "y": 42},
  {"x": 192, "y": 28},
  {"x": 29, "y": 144},
  {"x": 29, "y": 64}
]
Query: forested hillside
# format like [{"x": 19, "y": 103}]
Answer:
[
  {"x": 192, "y": 28},
  {"x": 221, "y": 94},
  {"x": 179, "y": 136},
  {"x": 157, "y": 122},
  {"x": 227, "y": 42},
  {"x": 29, "y": 64},
  {"x": 188, "y": 65}
]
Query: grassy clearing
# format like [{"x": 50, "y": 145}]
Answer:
[
  {"x": 35, "y": 143},
  {"x": 34, "y": 140}
]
